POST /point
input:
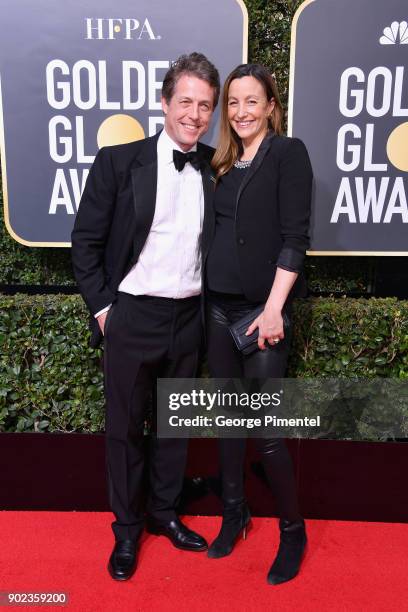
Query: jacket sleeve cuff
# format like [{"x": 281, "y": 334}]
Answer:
[
  {"x": 98, "y": 301},
  {"x": 291, "y": 260}
]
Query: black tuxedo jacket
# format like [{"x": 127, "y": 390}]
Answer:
[
  {"x": 115, "y": 216},
  {"x": 272, "y": 213}
]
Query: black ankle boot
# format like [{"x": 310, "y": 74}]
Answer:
[
  {"x": 292, "y": 545},
  {"x": 235, "y": 519}
]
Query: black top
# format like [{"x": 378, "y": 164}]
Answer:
[{"x": 222, "y": 270}]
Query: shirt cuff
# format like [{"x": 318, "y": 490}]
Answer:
[{"x": 102, "y": 311}]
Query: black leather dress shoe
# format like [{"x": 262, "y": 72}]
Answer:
[
  {"x": 123, "y": 560},
  {"x": 179, "y": 535}
]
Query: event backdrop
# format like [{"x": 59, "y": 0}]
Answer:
[
  {"x": 78, "y": 76},
  {"x": 349, "y": 103}
]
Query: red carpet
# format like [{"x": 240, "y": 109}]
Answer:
[{"x": 348, "y": 566}]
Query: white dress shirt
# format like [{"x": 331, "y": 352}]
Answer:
[{"x": 169, "y": 264}]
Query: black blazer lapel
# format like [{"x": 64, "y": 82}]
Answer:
[
  {"x": 144, "y": 187},
  {"x": 255, "y": 165}
]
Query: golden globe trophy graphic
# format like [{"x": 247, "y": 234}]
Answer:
[
  {"x": 349, "y": 103},
  {"x": 83, "y": 77}
]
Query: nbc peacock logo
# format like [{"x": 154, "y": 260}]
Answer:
[{"x": 395, "y": 34}]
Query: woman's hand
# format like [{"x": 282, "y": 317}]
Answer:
[{"x": 270, "y": 326}]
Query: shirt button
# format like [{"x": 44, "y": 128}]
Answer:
[{"x": 241, "y": 241}]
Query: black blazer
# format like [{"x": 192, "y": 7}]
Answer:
[
  {"x": 115, "y": 216},
  {"x": 272, "y": 216}
]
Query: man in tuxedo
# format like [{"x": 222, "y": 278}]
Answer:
[{"x": 137, "y": 248}]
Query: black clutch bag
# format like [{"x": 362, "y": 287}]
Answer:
[{"x": 249, "y": 344}]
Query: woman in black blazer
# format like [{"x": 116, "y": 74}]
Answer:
[{"x": 262, "y": 209}]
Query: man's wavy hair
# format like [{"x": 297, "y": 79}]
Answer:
[{"x": 195, "y": 64}]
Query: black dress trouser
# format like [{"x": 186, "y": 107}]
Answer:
[
  {"x": 226, "y": 361},
  {"x": 145, "y": 338}
]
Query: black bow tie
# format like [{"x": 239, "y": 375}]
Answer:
[{"x": 180, "y": 159}]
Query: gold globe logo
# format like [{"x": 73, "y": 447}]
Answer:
[
  {"x": 397, "y": 147},
  {"x": 119, "y": 129}
]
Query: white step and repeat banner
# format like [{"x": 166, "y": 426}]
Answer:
[
  {"x": 349, "y": 103},
  {"x": 76, "y": 76}
]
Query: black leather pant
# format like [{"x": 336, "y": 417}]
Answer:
[{"x": 225, "y": 361}]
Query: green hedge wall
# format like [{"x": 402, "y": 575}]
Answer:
[
  {"x": 50, "y": 380},
  {"x": 269, "y": 43}
]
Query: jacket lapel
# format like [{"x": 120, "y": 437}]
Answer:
[
  {"x": 256, "y": 164},
  {"x": 144, "y": 177},
  {"x": 144, "y": 187}
]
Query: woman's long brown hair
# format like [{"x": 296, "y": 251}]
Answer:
[{"x": 229, "y": 146}]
